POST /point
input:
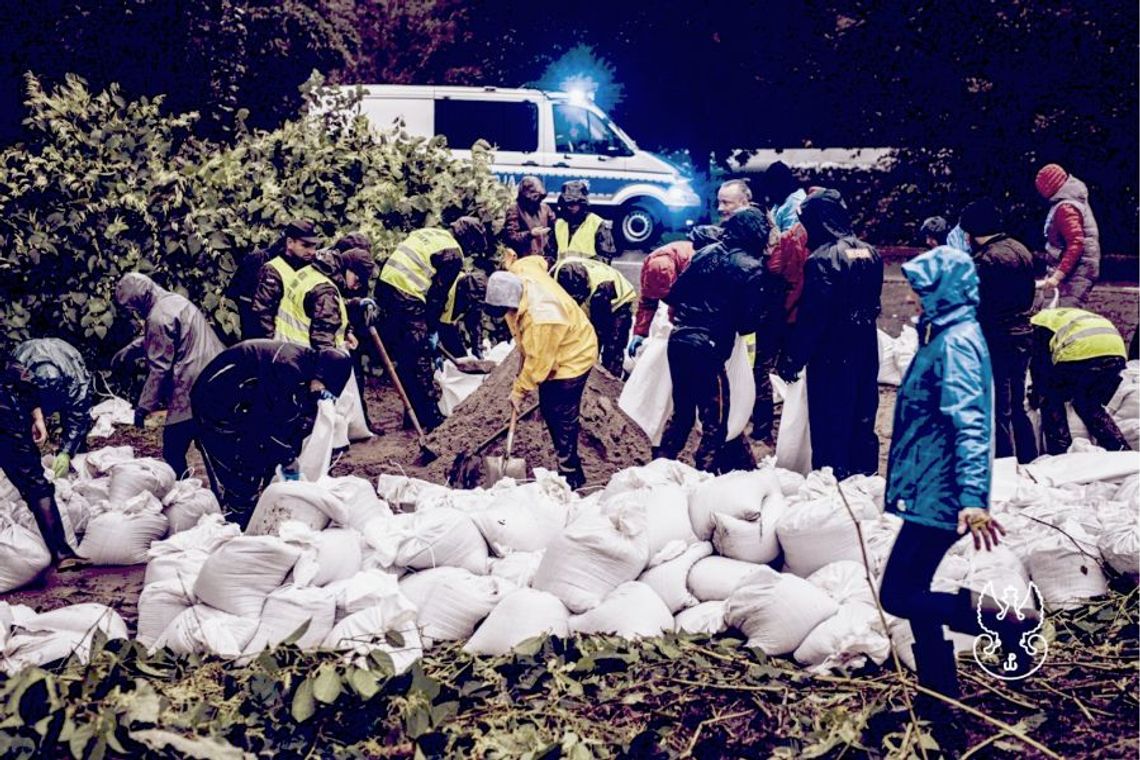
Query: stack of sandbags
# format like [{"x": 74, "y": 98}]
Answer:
[
  {"x": 817, "y": 528},
  {"x": 39, "y": 639}
]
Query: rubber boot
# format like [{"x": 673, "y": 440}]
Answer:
[{"x": 50, "y": 523}]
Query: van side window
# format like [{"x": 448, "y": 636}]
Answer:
[
  {"x": 578, "y": 130},
  {"x": 506, "y": 125}
]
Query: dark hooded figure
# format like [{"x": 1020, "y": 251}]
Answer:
[
  {"x": 530, "y": 222},
  {"x": 65, "y": 388},
  {"x": 178, "y": 342},
  {"x": 254, "y": 404},
  {"x": 836, "y": 339},
  {"x": 724, "y": 291}
]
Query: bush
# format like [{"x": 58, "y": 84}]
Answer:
[{"x": 106, "y": 186}]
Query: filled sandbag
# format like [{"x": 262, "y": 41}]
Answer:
[
  {"x": 129, "y": 479},
  {"x": 290, "y": 607},
  {"x": 451, "y": 601},
  {"x": 509, "y": 526},
  {"x": 1065, "y": 568},
  {"x": 159, "y": 603},
  {"x": 667, "y": 517},
  {"x": 308, "y": 503},
  {"x": 777, "y": 610},
  {"x": 327, "y": 555},
  {"x": 816, "y": 529},
  {"x": 372, "y": 629},
  {"x": 1119, "y": 541},
  {"x": 182, "y": 567},
  {"x": 122, "y": 535},
  {"x": 845, "y": 640},
  {"x": 594, "y": 555},
  {"x": 1128, "y": 492},
  {"x": 744, "y": 494},
  {"x": 370, "y": 589},
  {"x": 670, "y": 580},
  {"x": 844, "y": 581},
  {"x": 713, "y": 579},
  {"x": 187, "y": 502},
  {"x": 241, "y": 573},
  {"x": 23, "y": 554},
  {"x": 60, "y": 633},
  {"x": 405, "y": 494},
  {"x": 521, "y": 615},
  {"x": 355, "y": 503},
  {"x": 182, "y": 555},
  {"x": 706, "y": 618},
  {"x": 632, "y": 611},
  {"x": 1084, "y": 467},
  {"x": 94, "y": 464},
  {"x": 442, "y": 538},
  {"x": 659, "y": 472},
  {"x": 518, "y": 568},
  {"x": 205, "y": 630}
]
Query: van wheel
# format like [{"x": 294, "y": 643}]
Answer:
[{"x": 639, "y": 226}]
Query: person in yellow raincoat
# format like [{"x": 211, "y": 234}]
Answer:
[{"x": 558, "y": 348}]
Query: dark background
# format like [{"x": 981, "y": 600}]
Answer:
[{"x": 975, "y": 95}]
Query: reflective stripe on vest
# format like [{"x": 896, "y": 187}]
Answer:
[
  {"x": 1079, "y": 335},
  {"x": 292, "y": 322},
  {"x": 449, "y": 317},
  {"x": 599, "y": 272},
  {"x": 409, "y": 268},
  {"x": 584, "y": 241}
]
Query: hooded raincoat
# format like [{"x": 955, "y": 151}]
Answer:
[
  {"x": 64, "y": 386},
  {"x": 178, "y": 341},
  {"x": 1072, "y": 241},
  {"x": 941, "y": 460}
]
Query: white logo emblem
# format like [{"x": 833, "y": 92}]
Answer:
[{"x": 1011, "y": 646}]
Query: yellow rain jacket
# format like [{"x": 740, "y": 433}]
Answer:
[{"x": 553, "y": 333}]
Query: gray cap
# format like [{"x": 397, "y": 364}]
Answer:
[{"x": 504, "y": 289}]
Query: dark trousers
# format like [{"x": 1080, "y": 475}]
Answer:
[
  {"x": 404, "y": 328},
  {"x": 560, "y": 402},
  {"x": 700, "y": 387},
  {"x": 905, "y": 592},
  {"x": 613, "y": 335},
  {"x": 1089, "y": 385},
  {"x": 767, "y": 349},
  {"x": 238, "y": 474},
  {"x": 1013, "y": 432},
  {"x": 843, "y": 399},
  {"x": 176, "y": 440}
]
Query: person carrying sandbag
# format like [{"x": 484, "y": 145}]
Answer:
[
  {"x": 558, "y": 348},
  {"x": 253, "y": 406},
  {"x": 22, "y": 430}
]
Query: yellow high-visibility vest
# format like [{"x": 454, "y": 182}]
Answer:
[
  {"x": 292, "y": 321},
  {"x": 1079, "y": 334},
  {"x": 599, "y": 272},
  {"x": 584, "y": 241},
  {"x": 283, "y": 268},
  {"x": 409, "y": 268}
]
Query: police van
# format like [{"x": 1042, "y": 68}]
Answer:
[{"x": 554, "y": 135}]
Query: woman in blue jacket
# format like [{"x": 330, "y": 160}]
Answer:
[{"x": 938, "y": 474}]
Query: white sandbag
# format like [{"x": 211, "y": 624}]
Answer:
[
  {"x": 205, "y": 630},
  {"x": 817, "y": 530},
  {"x": 54, "y": 635},
  {"x": 1084, "y": 467},
  {"x": 1119, "y": 541},
  {"x": 74, "y": 506},
  {"x": 744, "y": 539},
  {"x": 667, "y": 515},
  {"x": 777, "y": 610},
  {"x": 241, "y": 573},
  {"x": 123, "y": 535},
  {"x": 906, "y": 346},
  {"x": 744, "y": 494},
  {"x": 159, "y": 603},
  {"x": 354, "y": 503},
  {"x": 443, "y": 538},
  {"x": 521, "y": 615},
  {"x": 350, "y": 411},
  {"x": 316, "y": 450},
  {"x": 659, "y": 472},
  {"x": 404, "y": 494},
  {"x": 326, "y": 556},
  {"x": 647, "y": 397},
  {"x": 309, "y": 503},
  {"x": 1065, "y": 568},
  {"x": 594, "y": 555},
  {"x": 182, "y": 567},
  {"x": 706, "y": 618},
  {"x": 94, "y": 491},
  {"x": 741, "y": 389},
  {"x": 888, "y": 370},
  {"x": 290, "y": 607},
  {"x": 455, "y": 386},
  {"x": 368, "y": 589},
  {"x": 632, "y": 611},
  {"x": 793, "y": 436},
  {"x": 509, "y": 526},
  {"x": 670, "y": 580},
  {"x": 1129, "y": 491},
  {"x": 371, "y": 629},
  {"x": 12, "y": 615},
  {"x": 518, "y": 568},
  {"x": 713, "y": 579},
  {"x": 845, "y": 582},
  {"x": 211, "y": 532},
  {"x": 93, "y": 464},
  {"x": 845, "y": 640},
  {"x": 129, "y": 479},
  {"x": 186, "y": 502},
  {"x": 790, "y": 482},
  {"x": 451, "y": 601},
  {"x": 23, "y": 554}
]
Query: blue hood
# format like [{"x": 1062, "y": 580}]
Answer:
[{"x": 947, "y": 284}]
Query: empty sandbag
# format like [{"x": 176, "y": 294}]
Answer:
[
  {"x": 670, "y": 580},
  {"x": 777, "y": 610},
  {"x": 521, "y": 615},
  {"x": 632, "y": 610},
  {"x": 241, "y": 573}
]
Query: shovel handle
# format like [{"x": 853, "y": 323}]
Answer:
[
  {"x": 391, "y": 369},
  {"x": 511, "y": 432}
]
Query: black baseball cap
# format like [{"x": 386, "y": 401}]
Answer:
[{"x": 303, "y": 230}]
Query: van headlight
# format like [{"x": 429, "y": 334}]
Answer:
[{"x": 681, "y": 194}]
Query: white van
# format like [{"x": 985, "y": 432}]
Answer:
[{"x": 552, "y": 135}]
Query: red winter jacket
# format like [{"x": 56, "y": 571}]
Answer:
[
  {"x": 787, "y": 260},
  {"x": 660, "y": 270},
  {"x": 1067, "y": 232}
]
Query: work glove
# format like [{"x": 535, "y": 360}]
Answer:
[
  {"x": 984, "y": 528},
  {"x": 140, "y": 417},
  {"x": 634, "y": 344},
  {"x": 324, "y": 394},
  {"x": 62, "y": 465}
]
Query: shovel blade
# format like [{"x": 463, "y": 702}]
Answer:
[{"x": 497, "y": 468}]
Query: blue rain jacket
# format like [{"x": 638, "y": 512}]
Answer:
[{"x": 941, "y": 460}]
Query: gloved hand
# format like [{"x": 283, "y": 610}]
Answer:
[
  {"x": 634, "y": 344},
  {"x": 140, "y": 417},
  {"x": 984, "y": 528},
  {"x": 61, "y": 465},
  {"x": 324, "y": 394},
  {"x": 437, "y": 363},
  {"x": 370, "y": 311}
]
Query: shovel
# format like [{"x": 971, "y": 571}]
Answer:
[
  {"x": 468, "y": 365},
  {"x": 426, "y": 454},
  {"x": 506, "y": 466}
]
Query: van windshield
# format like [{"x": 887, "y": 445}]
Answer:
[{"x": 580, "y": 130}]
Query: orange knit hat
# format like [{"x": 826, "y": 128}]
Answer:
[{"x": 1049, "y": 180}]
